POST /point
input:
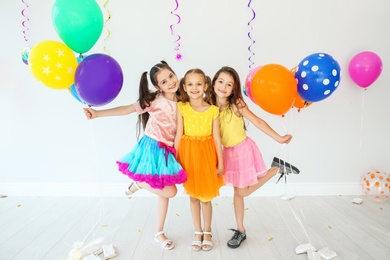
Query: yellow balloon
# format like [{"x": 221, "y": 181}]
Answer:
[{"x": 53, "y": 63}]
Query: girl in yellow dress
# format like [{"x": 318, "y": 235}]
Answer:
[{"x": 198, "y": 143}]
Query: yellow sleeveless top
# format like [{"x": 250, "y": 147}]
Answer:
[{"x": 231, "y": 127}]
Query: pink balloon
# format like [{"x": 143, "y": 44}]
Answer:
[
  {"x": 248, "y": 83},
  {"x": 365, "y": 68}
]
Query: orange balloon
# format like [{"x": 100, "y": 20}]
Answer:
[
  {"x": 300, "y": 102},
  {"x": 293, "y": 70},
  {"x": 274, "y": 89}
]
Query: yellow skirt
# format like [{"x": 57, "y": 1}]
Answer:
[{"x": 198, "y": 158}]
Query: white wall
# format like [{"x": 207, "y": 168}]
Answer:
[{"x": 47, "y": 147}]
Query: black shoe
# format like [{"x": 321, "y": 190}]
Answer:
[
  {"x": 237, "y": 238},
  {"x": 284, "y": 168}
]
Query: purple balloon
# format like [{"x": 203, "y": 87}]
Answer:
[{"x": 98, "y": 79}]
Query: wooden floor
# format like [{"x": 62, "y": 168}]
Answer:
[{"x": 34, "y": 228}]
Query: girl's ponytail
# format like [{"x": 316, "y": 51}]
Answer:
[
  {"x": 144, "y": 101},
  {"x": 146, "y": 97},
  {"x": 207, "y": 97}
]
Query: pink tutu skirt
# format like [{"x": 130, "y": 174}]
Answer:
[{"x": 243, "y": 164}]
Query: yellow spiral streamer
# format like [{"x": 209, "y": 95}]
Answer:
[{"x": 105, "y": 25}]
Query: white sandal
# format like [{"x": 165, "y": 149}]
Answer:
[
  {"x": 196, "y": 245},
  {"x": 128, "y": 190},
  {"x": 166, "y": 244},
  {"x": 207, "y": 245}
]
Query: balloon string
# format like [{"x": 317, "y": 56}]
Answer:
[
  {"x": 100, "y": 205},
  {"x": 108, "y": 31},
  {"x": 251, "y": 63},
  {"x": 361, "y": 120},
  {"x": 178, "y": 37},
  {"x": 282, "y": 118},
  {"x": 299, "y": 204},
  {"x": 284, "y": 148},
  {"x": 296, "y": 121},
  {"x": 283, "y": 151},
  {"x": 287, "y": 225},
  {"x": 26, "y": 19}
]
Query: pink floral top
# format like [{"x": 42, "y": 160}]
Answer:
[{"x": 161, "y": 125}]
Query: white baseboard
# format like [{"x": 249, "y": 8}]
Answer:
[{"x": 117, "y": 189}]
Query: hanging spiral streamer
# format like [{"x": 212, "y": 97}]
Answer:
[
  {"x": 26, "y": 50},
  {"x": 177, "y": 44},
  {"x": 108, "y": 31},
  {"x": 26, "y": 19},
  {"x": 251, "y": 63}
]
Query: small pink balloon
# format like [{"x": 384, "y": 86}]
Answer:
[
  {"x": 248, "y": 83},
  {"x": 365, "y": 68}
]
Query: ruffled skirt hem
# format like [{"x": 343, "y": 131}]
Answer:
[
  {"x": 155, "y": 181},
  {"x": 152, "y": 162},
  {"x": 243, "y": 163},
  {"x": 198, "y": 157}
]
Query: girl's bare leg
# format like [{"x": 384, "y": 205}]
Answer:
[
  {"x": 167, "y": 192},
  {"x": 244, "y": 192},
  {"x": 162, "y": 209},
  {"x": 238, "y": 202},
  {"x": 207, "y": 211},
  {"x": 195, "y": 211}
]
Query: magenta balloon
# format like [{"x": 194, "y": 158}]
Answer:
[
  {"x": 98, "y": 79},
  {"x": 365, "y": 68},
  {"x": 248, "y": 83}
]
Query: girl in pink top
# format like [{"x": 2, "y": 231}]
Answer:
[{"x": 152, "y": 164}]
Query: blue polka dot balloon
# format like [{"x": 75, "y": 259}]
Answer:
[{"x": 317, "y": 76}]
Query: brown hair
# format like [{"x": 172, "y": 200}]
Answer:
[
  {"x": 236, "y": 96},
  {"x": 145, "y": 95},
  {"x": 184, "y": 96}
]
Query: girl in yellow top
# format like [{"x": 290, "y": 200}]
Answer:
[
  {"x": 198, "y": 143},
  {"x": 245, "y": 168}
]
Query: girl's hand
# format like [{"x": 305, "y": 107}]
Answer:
[
  {"x": 220, "y": 171},
  {"x": 286, "y": 139},
  {"x": 90, "y": 113}
]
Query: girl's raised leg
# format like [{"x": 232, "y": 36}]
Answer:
[{"x": 244, "y": 192}]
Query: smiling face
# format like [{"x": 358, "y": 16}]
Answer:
[
  {"x": 167, "y": 81},
  {"x": 223, "y": 86},
  {"x": 195, "y": 85}
]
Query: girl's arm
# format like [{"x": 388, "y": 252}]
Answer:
[
  {"x": 218, "y": 146},
  {"x": 263, "y": 126},
  {"x": 179, "y": 130},
  {"x": 116, "y": 111}
]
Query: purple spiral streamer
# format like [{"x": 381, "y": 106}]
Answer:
[
  {"x": 251, "y": 63},
  {"x": 177, "y": 41},
  {"x": 26, "y": 19}
]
